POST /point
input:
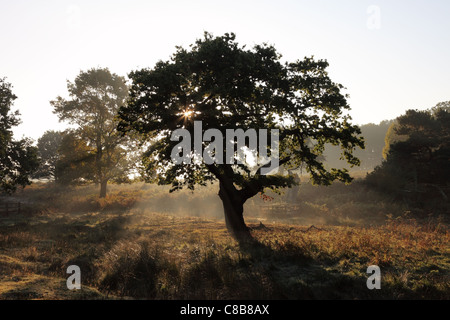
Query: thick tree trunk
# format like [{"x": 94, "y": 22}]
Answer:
[
  {"x": 233, "y": 207},
  {"x": 103, "y": 185}
]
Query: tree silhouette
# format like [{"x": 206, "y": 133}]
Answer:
[
  {"x": 18, "y": 159},
  {"x": 418, "y": 156},
  {"x": 226, "y": 86}
]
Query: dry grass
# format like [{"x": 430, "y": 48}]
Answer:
[{"x": 125, "y": 250}]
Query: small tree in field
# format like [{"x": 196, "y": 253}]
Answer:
[
  {"x": 95, "y": 97},
  {"x": 226, "y": 86}
]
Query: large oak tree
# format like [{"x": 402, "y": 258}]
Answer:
[{"x": 227, "y": 86}]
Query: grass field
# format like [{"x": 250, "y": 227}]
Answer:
[{"x": 130, "y": 246}]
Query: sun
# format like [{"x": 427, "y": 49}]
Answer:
[{"x": 187, "y": 113}]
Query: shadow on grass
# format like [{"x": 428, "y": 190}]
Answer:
[{"x": 292, "y": 275}]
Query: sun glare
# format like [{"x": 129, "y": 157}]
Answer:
[{"x": 188, "y": 113}]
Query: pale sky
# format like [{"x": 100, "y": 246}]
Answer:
[{"x": 390, "y": 55}]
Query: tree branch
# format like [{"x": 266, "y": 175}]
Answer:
[{"x": 269, "y": 164}]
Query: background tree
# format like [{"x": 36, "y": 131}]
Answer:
[
  {"x": 48, "y": 150},
  {"x": 427, "y": 148},
  {"x": 391, "y": 138},
  {"x": 95, "y": 97},
  {"x": 18, "y": 159},
  {"x": 418, "y": 160},
  {"x": 76, "y": 160},
  {"x": 441, "y": 106},
  {"x": 227, "y": 86}
]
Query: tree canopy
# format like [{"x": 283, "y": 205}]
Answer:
[
  {"x": 418, "y": 156},
  {"x": 95, "y": 97},
  {"x": 75, "y": 160},
  {"x": 227, "y": 86},
  {"x": 48, "y": 150}
]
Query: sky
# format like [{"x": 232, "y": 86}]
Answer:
[{"x": 390, "y": 55}]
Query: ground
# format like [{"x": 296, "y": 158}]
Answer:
[{"x": 126, "y": 251}]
